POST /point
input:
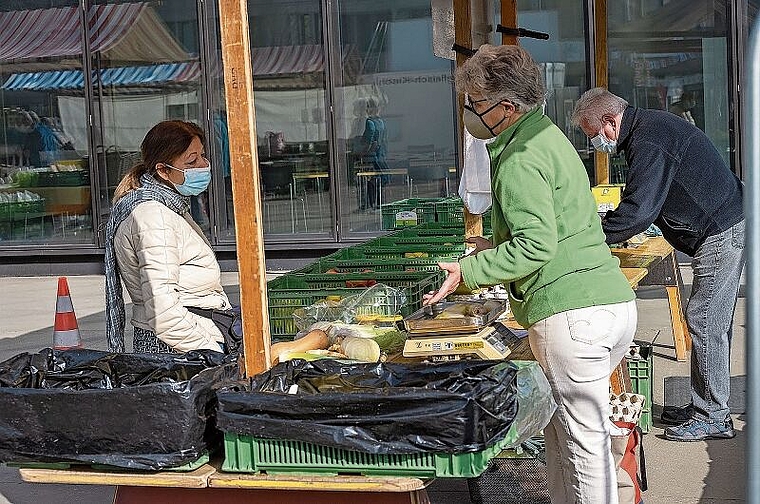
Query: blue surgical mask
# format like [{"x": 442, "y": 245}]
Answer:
[
  {"x": 196, "y": 180},
  {"x": 604, "y": 144}
]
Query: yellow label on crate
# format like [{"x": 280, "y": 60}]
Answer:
[
  {"x": 406, "y": 218},
  {"x": 607, "y": 196}
]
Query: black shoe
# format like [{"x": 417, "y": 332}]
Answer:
[{"x": 677, "y": 415}]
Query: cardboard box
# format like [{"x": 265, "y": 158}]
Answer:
[{"x": 607, "y": 196}]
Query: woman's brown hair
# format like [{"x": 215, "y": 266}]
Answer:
[{"x": 164, "y": 143}]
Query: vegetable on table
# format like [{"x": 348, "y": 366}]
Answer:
[{"x": 314, "y": 340}]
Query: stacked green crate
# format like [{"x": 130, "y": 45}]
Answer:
[
  {"x": 248, "y": 454},
  {"x": 408, "y": 212},
  {"x": 288, "y": 293},
  {"x": 640, "y": 369}
]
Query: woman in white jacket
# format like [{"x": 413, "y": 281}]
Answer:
[{"x": 158, "y": 251}]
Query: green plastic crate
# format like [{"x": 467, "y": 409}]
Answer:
[
  {"x": 449, "y": 211},
  {"x": 375, "y": 264},
  {"x": 640, "y": 371},
  {"x": 393, "y": 241},
  {"x": 290, "y": 292},
  {"x": 408, "y": 212},
  {"x": 432, "y": 229},
  {"x": 247, "y": 454}
]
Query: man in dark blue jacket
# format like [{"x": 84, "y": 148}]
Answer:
[{"x": 677, "y": 180}]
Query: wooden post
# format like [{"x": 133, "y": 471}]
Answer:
[
  {"x": 473, "y": 224},
  {"x": 509, "y": 18},
  {"x": 241, "y": 119},
  {"x": 601, "y": 159}
]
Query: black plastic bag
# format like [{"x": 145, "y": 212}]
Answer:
[
  {"x": 137, "y": 411},
  {"x": 456, "y": 407}
]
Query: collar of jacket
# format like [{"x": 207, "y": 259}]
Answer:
[
  {"x": 506, "y": 136},
  {"x": 626, "y": 125}
]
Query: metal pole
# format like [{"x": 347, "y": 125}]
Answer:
[{"x": 752, "y": 212}]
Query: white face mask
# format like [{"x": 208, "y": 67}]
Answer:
[{"x": 604, "y": 144}]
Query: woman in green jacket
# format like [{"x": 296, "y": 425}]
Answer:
[{"x": 549, "y": 251}]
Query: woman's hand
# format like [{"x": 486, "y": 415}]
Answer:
[
  {"x": 453, "y": 279},
  {"x": 480, "y": 244}
]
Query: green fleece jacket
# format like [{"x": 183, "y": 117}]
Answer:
[{"x": 549, "y": 247}]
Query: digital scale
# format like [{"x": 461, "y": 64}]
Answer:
[{"x": 469, "y": 333}]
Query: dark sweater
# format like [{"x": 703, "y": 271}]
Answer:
[{"x": 676, "y": 180}]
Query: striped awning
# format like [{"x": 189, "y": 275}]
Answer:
[
  {"x": 127, "y": 76},
  {"x": 267, "y": 62},
  {"x": 118, "y": 31}
]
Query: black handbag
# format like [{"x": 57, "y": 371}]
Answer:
[{"x": 229, "y": 322}]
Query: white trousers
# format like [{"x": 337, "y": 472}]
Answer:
[{"x": 578, "y": 350}]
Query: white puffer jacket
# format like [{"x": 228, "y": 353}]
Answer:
[{"x": 167, "y": 264}]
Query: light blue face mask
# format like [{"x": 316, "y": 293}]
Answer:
[
  {"x": 196, "y": 180},
  {"x": 604, "y": 144}
]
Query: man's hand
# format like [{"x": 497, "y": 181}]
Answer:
[
  {"x": 480, "y": 244},
  {"x": 451, "y": 283}
]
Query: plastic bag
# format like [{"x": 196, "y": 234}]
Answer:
[
  {"x": 455, "y": 407},
  {"x": 534, "y": 395},
  {"x": 378, "y": 299},
  {"x": 475, "y": 184},
  {"x": 137, "y": 411}
]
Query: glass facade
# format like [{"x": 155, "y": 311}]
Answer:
[
  {"x": 672, "y": 56},
  {"x": 45, "y": 190},
  {"x": 562, "y": 59},
  {"x": 353, "y": 110}
]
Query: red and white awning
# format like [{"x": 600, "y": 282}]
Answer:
[{"x": 129, "y": 32}]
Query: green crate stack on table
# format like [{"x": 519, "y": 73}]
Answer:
[{"x": 416, "y": 211}]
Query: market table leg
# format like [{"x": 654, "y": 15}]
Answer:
[
  {"x": 667, "y": 274},
  {"x": 159, "y": 495}
]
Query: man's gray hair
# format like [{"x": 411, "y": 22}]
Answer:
[
  {"x": 594, "y": 105},
  {"x": 503, "y": 73}
]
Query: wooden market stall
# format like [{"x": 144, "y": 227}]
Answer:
[{"x": 208, "y": 483}]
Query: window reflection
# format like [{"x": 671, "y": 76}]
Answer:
[
  {"x": 289, "y": 67},
  {"x": 672, "y": 56},
  {"x": 395, "y": 119},
  {"x": 146, "y": 69},
  {"x": 562, "y": 59},
  {"x": 44, "y": 170}
]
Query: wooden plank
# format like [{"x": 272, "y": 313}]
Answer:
[
  {"x": 601, "y": 79},
  {"x": 318, "y": 483},
  {"x": 85, "y": 476},
  {"x": 655, "y": 246},
  {"x": 473, "y": 224},
  {"x": 681, "y": 336},
  {"x": 634, "y": 275},
  {"x": 249, "y": 237},
  {"x": 509, "y": 19}
]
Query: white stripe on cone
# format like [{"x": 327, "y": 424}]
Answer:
[
  {"x": 66, "y": 339},
  {"x": 64, "y": 304}
]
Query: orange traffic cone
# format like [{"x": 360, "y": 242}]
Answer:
[{"x": 66, "y": 331}]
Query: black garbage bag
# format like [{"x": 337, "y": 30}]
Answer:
[
  {"x": 136, "y": 411},
  {"x": 456, "y": 407}
]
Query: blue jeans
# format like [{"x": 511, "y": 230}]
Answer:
[{"x": 717, "y": 269}]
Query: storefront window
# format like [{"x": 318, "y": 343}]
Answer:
[
  {"x": 562, "y": 59},
  {"x": 146, "y": 69},
  {"x": 288, "y": 61},
  {"x": 44, "y": 168},
  {"x": 394, "y": 110},
  {"x": 672, "y": 56}
]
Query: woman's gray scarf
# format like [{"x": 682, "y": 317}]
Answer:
[{"x": 150, "y": 190}]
